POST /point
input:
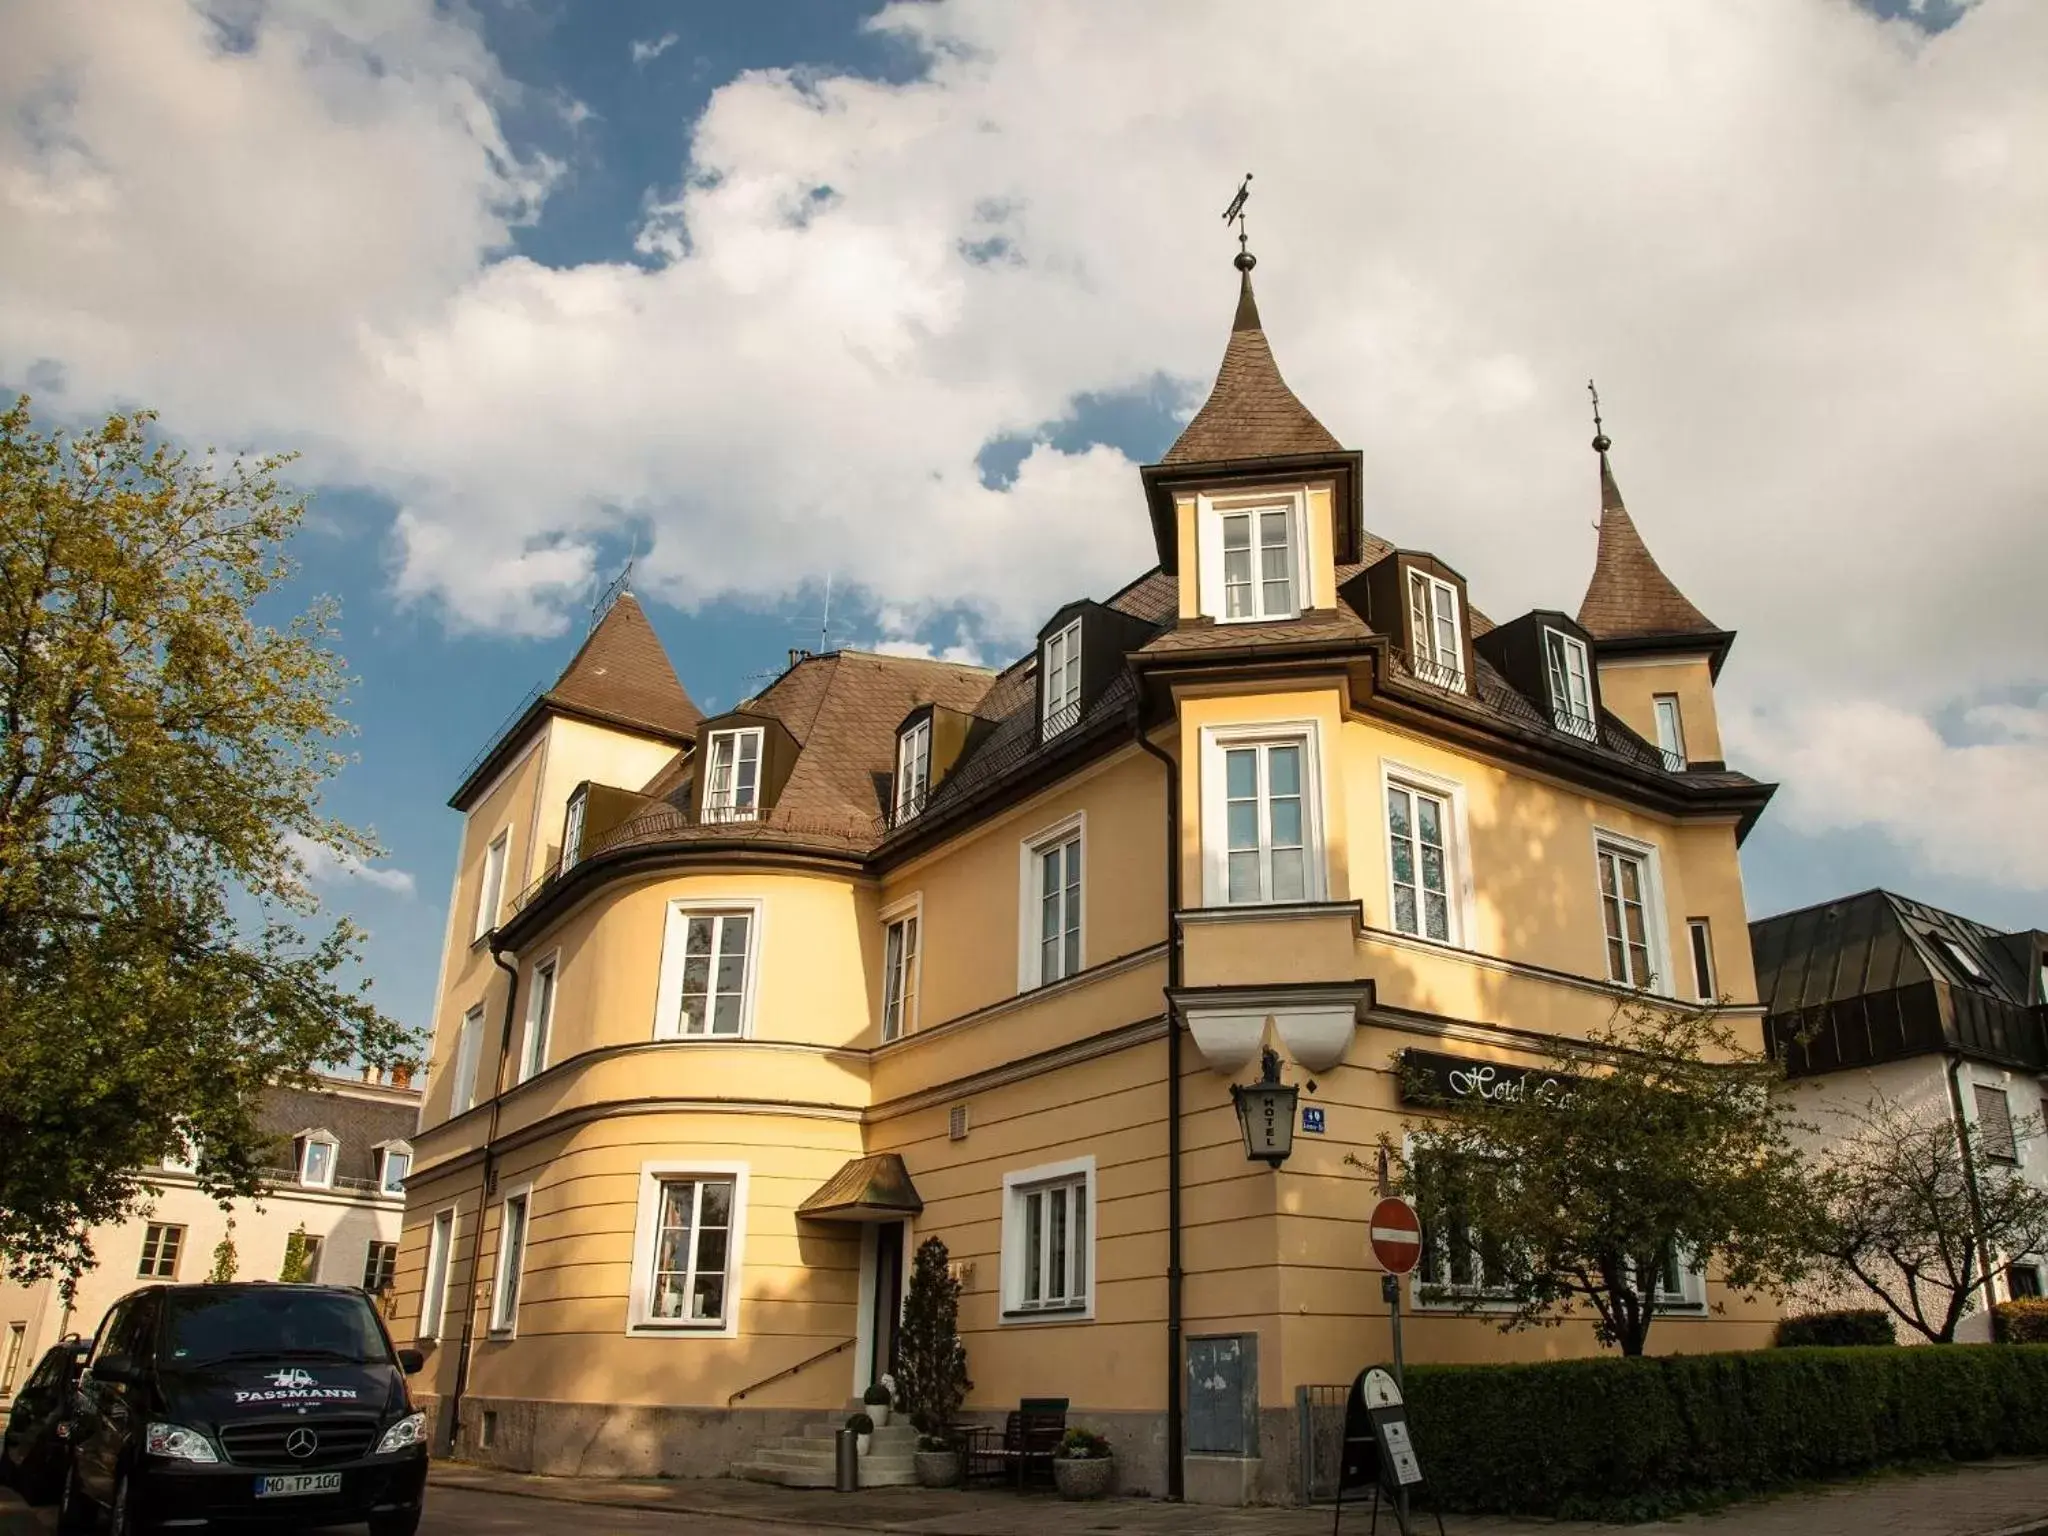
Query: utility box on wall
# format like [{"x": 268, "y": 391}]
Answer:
[{"x": 1222, "y": 1461}]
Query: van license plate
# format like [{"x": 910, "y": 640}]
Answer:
[{"x": 298, "y": 1483}]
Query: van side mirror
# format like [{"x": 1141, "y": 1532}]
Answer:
[
  {"x": 116, "y": 1368},
  {"x": 411, "y": 1361}
]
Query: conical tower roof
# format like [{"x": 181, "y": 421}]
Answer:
[
  {"x": 621, "y": 673},
  {"x": 1630, "y": 597},
  {"x": 1251, "y": 413}
]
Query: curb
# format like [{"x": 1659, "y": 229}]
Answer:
[{"x": 455, "y": 1479}]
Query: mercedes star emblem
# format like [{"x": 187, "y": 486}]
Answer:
[{"x": 302, "y": 1443}]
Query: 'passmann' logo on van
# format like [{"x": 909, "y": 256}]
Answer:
[{"x": 294, "y": 1385}]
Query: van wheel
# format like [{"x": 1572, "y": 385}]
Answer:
[
  {"x": 400, "y": 1524},
  {"x": 122, "y": 1519},
  {"x": 75, "y": 1512}
]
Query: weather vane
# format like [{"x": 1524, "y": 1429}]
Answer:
[
  {"x": 1601, "y": 442},
  {"x": 1234, "y": 214}
]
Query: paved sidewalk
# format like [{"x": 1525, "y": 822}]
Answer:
[{"x": 1984, "y": 1499}]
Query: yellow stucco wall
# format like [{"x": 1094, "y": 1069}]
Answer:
[{"x": 1629, "y": 685}]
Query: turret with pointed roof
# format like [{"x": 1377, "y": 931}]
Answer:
[
  {"x": 1630, "y": 604},
  {"x": 620, "y": 676}
]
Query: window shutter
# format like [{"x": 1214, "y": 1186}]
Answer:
[{"x": 1994, "y": 1124}]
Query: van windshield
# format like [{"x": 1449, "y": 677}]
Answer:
[{"x": 285, "y": 1323}]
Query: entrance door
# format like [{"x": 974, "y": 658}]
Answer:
[{"x": 888, "y": 1293}]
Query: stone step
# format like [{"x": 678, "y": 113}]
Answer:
[
  {"x": 883, "y": 1472},
  {"x": 887, "y": 1434}
]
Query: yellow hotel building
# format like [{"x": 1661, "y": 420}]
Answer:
[{"x": 735, "y": 1011}]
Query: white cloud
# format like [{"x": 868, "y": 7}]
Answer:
[
  {"x": 1976, "y": 811},
  {"x": 646, "y": 52},
  {"x": 1800, "y": 248},
  {"x": 323, "y": 866}
]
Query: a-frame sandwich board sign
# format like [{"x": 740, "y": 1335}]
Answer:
[{"x": 1379, "y": 1451}]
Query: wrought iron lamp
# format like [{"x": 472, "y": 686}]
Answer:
[{"x": 1265, "y": 1112}]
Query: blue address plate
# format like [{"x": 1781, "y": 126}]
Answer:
[{"x": 298, "y": 1484}]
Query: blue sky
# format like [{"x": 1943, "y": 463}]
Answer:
[{"x": 767, "y": 293}]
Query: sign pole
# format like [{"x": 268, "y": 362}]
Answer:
[{"x": 1401, "y": 1385}]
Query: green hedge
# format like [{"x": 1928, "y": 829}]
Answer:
[
  {"x": 2024, "y": 1321},
  {"x": 1636, "y": 1439},
  {"x": 1856, "y": 1326}
]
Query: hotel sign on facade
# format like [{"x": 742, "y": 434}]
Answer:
[{"x": 1436, "y": 1078}]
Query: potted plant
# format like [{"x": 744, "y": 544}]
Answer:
[
  {"x": 876, "y": 1401},
  {"x": 863, "y": 1429},
  {"x": 1082, "y": 1468},
  {"x": 931, "y": 1364}
]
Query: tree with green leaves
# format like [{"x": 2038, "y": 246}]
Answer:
[
  {"x": 165, "y": 734},
  {"x": 1916, "y": 1209},
  {"x": 931, "y": 1362},
  {"x": 297, "y": 1268},
  {"x": 225, "y": 1260},
  {"x": 1658, "y": 1147}
]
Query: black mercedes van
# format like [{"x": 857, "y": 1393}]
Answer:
[{"x": 214, "y": 1407}]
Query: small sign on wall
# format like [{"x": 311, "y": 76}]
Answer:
[{"x": 1312, "y": 1119}]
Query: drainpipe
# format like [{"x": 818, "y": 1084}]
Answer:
[
  {"x": 1955, "y": 1104},
  {"x": 486, "y": 1186},
  {"x": 1174, "y": 1483}
]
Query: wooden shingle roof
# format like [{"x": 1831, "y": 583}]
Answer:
[
  {"x": 1251, "y": 413},
  {"x": 1630, "y": 597}
]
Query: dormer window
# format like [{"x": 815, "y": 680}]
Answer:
[
  {"x": 913, "y": 768},
  {"x": 1670, "y": 731},
  {"x": 572, "y": 828},
  {"x": 1061, "y": 665},
  {"x": 1252, "y": 557},
  {"x": 1571, "y": 686},
  {"x": 394, "y": 1162},
  {"x": 732, "y": 789},
  {"x": 1437, "y": 630},
  {"x": 1959, "y": 957},
  {"x": 316, "y": 1155}
]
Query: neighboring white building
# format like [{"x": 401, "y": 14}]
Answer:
[
  {"x": 342, "y": 1154},
  {"x": 1876, "y": 995}
]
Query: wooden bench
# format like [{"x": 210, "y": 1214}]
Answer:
[{"x": 1032, "y": 1432}]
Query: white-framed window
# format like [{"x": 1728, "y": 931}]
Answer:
[
  {"x": 902, "y": 941},
  {"x": 1261, "y": 814},
  {"x": 688, "y": 1241},
  {"x": 440, "y": 1258},
  {"x": 380, "y": 1266},
  {"x": 1680, "y": 1281},
  {"x": 17, "y": 1335},
  {"x": 491, "y": 895},
  {"x": 710, "y": 958},
  {"x": 161, "y": 1245},
  {"x": 1437, "y": 628},
  {"x": 394, "y": 1162},
  {"x": 1571, "y": 682},
  {"x": 913, "y": 769},
  {"x": 1050, "y": 903},
  {"x": 1631, "y": 911},
  {"x": 1060, "y": 666},
  {"x": 317, "y": 1153},
  {"x": 1429, "y": 884},
  {"x": 1252, "y": 555},
  {"x": 1048, "y": 1255},
  {"x": 1670, "y": 731},
  {"x": 1700, "y": 935},
  {"x": 469, "y": 1045},
  {"x": 512, "y": 1219},
  {"x": 732, "y": 787},
  {"x": 313, "y": 1245},
  {"x": 540, "y": 1017},
  {"x": 572, "y": 827},
  {"x": 1958, "y": 956},
  {"x": 183, "y": 1154}
]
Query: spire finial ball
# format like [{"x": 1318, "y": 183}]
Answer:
[
  {"x": 1244, "y": 261},
  {"x": 1601, "y": 443}
]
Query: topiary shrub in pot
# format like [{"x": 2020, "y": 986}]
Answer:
[
  {"x": 876, "y": 1401},
  {"x": 931, "y": 1364},
  {"x": 1083, "y": 1467}
]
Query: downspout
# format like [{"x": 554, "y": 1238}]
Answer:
[
  {"x": 1174, "y": 1471},
  {"x": 1955, "y": 1104},
  {"x": 486, "y": 1186}
]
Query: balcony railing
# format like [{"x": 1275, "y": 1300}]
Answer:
[
  {"x": 1438, "y": 674},
  {"x": 1573, "y": 723},
  {"x": 1674, "y": 762},
  {"x": 1060, "y": 720}
]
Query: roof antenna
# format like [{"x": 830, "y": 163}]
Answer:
[
  {"x": 825, "y": 624},
  {"x": 1234, "y": 214},
  {"x": 1601, "y": 441}
]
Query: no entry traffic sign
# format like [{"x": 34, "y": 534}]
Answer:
[{"x": 1396, "y": 1233}]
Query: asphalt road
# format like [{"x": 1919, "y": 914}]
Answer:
[{"x": 459, "y": 1512}]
